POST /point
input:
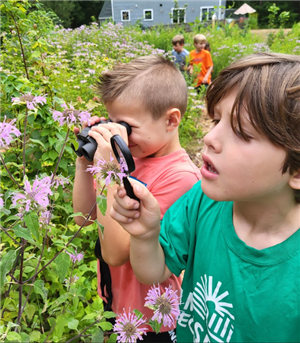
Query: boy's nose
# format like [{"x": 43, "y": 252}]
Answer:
[{"x": 213, "y": 140}]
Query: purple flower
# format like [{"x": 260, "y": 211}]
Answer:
[
  {"x": 71, "y": 116},
  {"x": 127, "y": 327},
  {"x": 165, "y": 306},
  {"x": 35, "y": 197},
  {"x": 109, "y": 171},
  {"x": 30, "y": 100},
  {"x": 76, "y": 257},
  {"x": 1, "y": 201},
  {"x": 6, "y": 132}
]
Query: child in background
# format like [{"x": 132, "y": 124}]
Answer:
[
  {"x": 149, "y": 94},
  {"x": 202, "y": 58},
  {"x": 179, "y": 52},
  {"x": 237, "y": 232}
]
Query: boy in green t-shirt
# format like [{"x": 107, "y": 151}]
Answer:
[{"x": 236, "y": 233}]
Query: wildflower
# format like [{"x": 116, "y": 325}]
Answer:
[
  {"x": 35, "y": 197},
  {"x": 165, "y": 306},
  {"x": 76, "y": 257},
  {"x": 30, "y": 100},
  {"x": 127, "y": 327},
  {"x": 108, "y": 170},
  {"x": 45, "y": 217},
  {"x": 6, "y": 132},
  {"x": 70, "y": 116},
  {"x": 1, "y": 201},
  {"x": 71, "y": 280},
  {"x": 59, "y": 181}
]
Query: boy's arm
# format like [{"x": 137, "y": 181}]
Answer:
[
  {"x": 142, "y": 222},
  {"x": 84, "y": 195},
  {"x": 209, "y": 71}
]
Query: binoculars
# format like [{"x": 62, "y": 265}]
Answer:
[{"x": 87, "y": 145}]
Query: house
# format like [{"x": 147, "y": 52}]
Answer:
[{"x": 155, "y": 12}]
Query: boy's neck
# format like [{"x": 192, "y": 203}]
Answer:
[{"x": 265, "y": 224}]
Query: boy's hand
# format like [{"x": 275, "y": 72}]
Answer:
[
  {"x": 102, "y": 135},
  {"x": 141, "y": 220}
]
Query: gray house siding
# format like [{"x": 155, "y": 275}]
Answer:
[{"x": 158, "y": 11}]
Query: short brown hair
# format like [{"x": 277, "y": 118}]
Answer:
[
  {"x": 178, "y": 39},
  {"x": 199, "y": 38},
  {"x": 153, "y": 81},
  {"x": 268, "y": 87}
]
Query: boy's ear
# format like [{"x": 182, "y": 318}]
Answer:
[
  {"x": 295, "y": 180},
  {"x": 173, "y": 118}
]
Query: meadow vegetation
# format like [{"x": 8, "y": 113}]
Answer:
[{"x": 48, "y": 268}]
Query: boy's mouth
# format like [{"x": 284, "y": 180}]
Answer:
[
  {"x": 210, "y": 168},
  {"x": 208, "y": 165}
]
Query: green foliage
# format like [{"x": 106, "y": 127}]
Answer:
[{"x": 45, "y": 295}]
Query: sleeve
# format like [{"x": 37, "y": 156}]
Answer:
[{"x": 177, "y": 236}]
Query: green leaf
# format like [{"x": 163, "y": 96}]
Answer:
[
  {"x": 30, "y": 310},
  {"x": 90, "y": 316},
  {"x": 105, "y": 326},
  {"x": 36, "y": 141},
  {"x": 97, "y": 335},
  {"x": 35, "y": 336},
  {"x": 62, "y": 265},
  {"x": 39, "y": 288},
  {"x": 23, "y": 232},
  {"x": 73, "y": 324},
  {"x": 35, "y": 54},
  {"x": 32, "y": 222},
  {"x": 13, "y": 337},
  {"x": 53, "y": 155},
  {"x": 110, "y": 314},
  {"x": 138, "y": 313},
  {"x": 6, "y": 264},
  {"x": 101, "y": 227},
  {"x": 102, "y": 203},
  {"x": 112, "y": 338}
]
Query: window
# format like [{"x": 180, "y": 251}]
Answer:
[
  {"x": 125, "y": 15},
  {"x": 148, "y": 15},
  {"x": 206, "y": 13},
  {"x": 178, "y": 15}
]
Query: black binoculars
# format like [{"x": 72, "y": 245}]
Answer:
[{"x": 87, "y": 145}]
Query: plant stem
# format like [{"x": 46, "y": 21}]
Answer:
[
  {"x": 24, "y": 143},
  {"x": 20, "y": 285},
  {"x": 76, "y": 234},
  {"x": 80, "y": 335},
  {"x": 13, "y": 179},
  {"x": 60, "y": 155}
]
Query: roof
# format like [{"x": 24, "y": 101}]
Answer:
[{"x": 106, "y": 11}]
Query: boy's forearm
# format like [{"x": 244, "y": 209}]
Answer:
[
  {"x": 148, "y": 261},
  {"x": 84, "y": 195}
]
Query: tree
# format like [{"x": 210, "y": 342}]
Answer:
[{"x": 75, "y": 13}]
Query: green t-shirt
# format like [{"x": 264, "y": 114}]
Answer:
[{"x": 231, "y": 292}]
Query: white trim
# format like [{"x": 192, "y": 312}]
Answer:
[
  {"x": 112, "y": 10},
  {"x": 181, "y": 8},
  {"x": 207, "y": 10},
  {"x": 152, "y": 16},
  {"x": 125, "y": 11}
]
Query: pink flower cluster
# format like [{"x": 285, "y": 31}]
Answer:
[
  {"x": 7, "y": 130},
  {"x": 76, "y": 257},
  {"x": 166, "y": 312},
  {"x": 35, "y": 197},
  {"x": 108, "y": 170},
  {"x": 30, "y": 100},
  {"x": 70, "y": 116}
]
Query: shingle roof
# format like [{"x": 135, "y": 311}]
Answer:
[{"x": 106, "y": 10}]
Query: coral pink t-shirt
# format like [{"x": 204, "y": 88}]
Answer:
[{"x": 167, "y": 178}]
